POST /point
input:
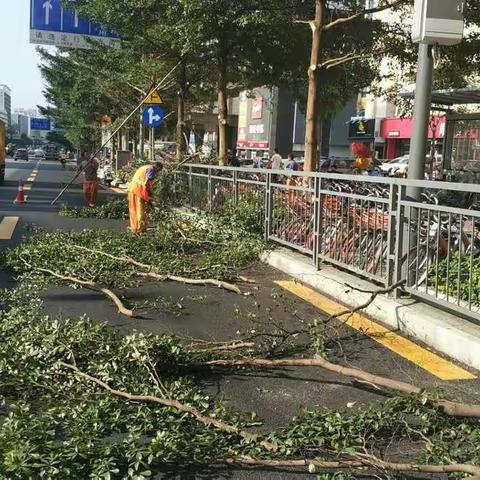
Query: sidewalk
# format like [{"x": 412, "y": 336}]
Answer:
[{"x": 443, "y": 332}]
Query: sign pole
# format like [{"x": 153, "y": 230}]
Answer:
[
  {"x": 152, "y": 145},
  {"x": 142, "y": 139},
  {"x": 132, "y": 113}
]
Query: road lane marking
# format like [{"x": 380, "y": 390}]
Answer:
[
  {"x": 429, "y": 361},
  {"x": 31, "y": 180},
  {"x": 7, "y": 227}
]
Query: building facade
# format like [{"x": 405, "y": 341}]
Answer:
[
  {"x": 266, "y": 119},
  {"x": 6, "y": 105},
  {"x": 20, "y": 125}
]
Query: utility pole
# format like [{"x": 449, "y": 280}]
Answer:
[{"x": 311, "y": 137}]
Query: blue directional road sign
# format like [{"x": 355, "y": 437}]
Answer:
[
  {"x": 53, "y": 24},
  {"x": 40, "y": 124},
  {"x": 73, "y": 23},
  {"x": 153, "y": 116}
]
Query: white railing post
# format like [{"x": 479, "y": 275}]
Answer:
[
  {"x": 317, "y": 220},
  {"x": 209, "y": 189},
  {"x": 190, "y": 186},
  {"x": 268, "y": 206}
]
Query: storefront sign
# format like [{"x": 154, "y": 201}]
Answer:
[
  {"x": 394, "y": 134},
  {"x": 361, "y": 129},
  {"x": 257, "y": 109},
  {"x": 242, "y": 117},
  {"x": 260, "y": 128},
  {"x": 253, "y": 145}
]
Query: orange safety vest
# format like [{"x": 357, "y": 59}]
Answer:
[{"x": 139, "y": 183}]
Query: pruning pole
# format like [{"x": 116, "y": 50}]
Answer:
[{"x": 92, "y": 157}]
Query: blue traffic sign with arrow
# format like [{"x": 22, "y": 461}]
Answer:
[
  {"x": 47, "y": 15},
  {"x": 153, "y": 116}
]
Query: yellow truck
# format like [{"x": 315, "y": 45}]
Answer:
[{"x": 2, "y": 151}]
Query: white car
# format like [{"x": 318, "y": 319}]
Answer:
[
  {"x": 39, "y": 153},
  {"x": 397, "y": 166}
]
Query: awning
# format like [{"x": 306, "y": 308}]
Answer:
[{"x": 454, "y": 96}]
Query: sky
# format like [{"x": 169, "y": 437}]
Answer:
[{"x": 19, "y": 60}]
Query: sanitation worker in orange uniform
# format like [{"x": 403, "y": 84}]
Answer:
[{"x": 139, "y": 194}]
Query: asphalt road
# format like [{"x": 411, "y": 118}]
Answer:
[{"x": 213, "y": 314}]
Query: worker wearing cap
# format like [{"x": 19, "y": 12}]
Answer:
[{"x": 139, "y": 194}]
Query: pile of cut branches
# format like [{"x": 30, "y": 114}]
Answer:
[
  {"x": 201, "y": 249},
  {"x": 112, "y": 209},
  {"x": 84, "y": 401}
]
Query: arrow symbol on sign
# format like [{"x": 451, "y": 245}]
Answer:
[
  {"x": 47, "y": 6},
  {"x": 151, "y": 117},
  {"x": 75, "y": 20}
]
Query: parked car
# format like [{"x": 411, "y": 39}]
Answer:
[
  {"x": 397, "y": 166},
  {"x": 21, "y": 154}
]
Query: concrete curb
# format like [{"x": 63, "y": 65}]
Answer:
[{"x": 446, "y": 333}]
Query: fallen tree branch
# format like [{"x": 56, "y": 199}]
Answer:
[
  {"x": 114, "y": 257},
  {"x": 366, "y": 304},
  {"x": 219, "y": 346},
  {"x": 361, "y": 461},
  {"x": 455, "y": 409},
  {"x": 92, "y": 286},
  {"x": 204, "y": 419},
  {"x": 247, "y": 280},
  {"x": 192, "y": 281},
  {"x": 150, "y": 272}
]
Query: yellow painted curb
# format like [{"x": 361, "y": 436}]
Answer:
[{"x": 429, "y": 361}]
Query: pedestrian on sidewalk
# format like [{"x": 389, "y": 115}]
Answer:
[
  {"x": 276, "y": 164},
  {"x": 292, "y": 164},
  {"x": 90, "y": 181},
  {"x": 139, "y": 194}
]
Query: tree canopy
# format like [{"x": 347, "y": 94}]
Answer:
[{"x": 221, "y": 47}]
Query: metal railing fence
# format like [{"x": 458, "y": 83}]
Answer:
[{"x": 371, "y": 226}]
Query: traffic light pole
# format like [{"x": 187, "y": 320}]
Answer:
[
  {"x": 421, "y": 118},
  {"x": 418, "y": 150}
]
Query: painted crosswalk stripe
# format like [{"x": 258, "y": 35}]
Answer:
[
  {"x": 7, "y": 227},
  {"x": 429, "y": 361}
]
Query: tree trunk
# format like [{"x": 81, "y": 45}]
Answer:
[
  {"x": 324, "y": 136},
  {"x": 222, "y": 115},
  {"x": 181, "y": 141},
  {"x": 311, "y": 138}
]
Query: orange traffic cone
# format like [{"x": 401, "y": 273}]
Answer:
[{"x": 20, "y": 200}]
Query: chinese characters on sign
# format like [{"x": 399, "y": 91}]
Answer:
[{"x": 52, "y": 24}]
